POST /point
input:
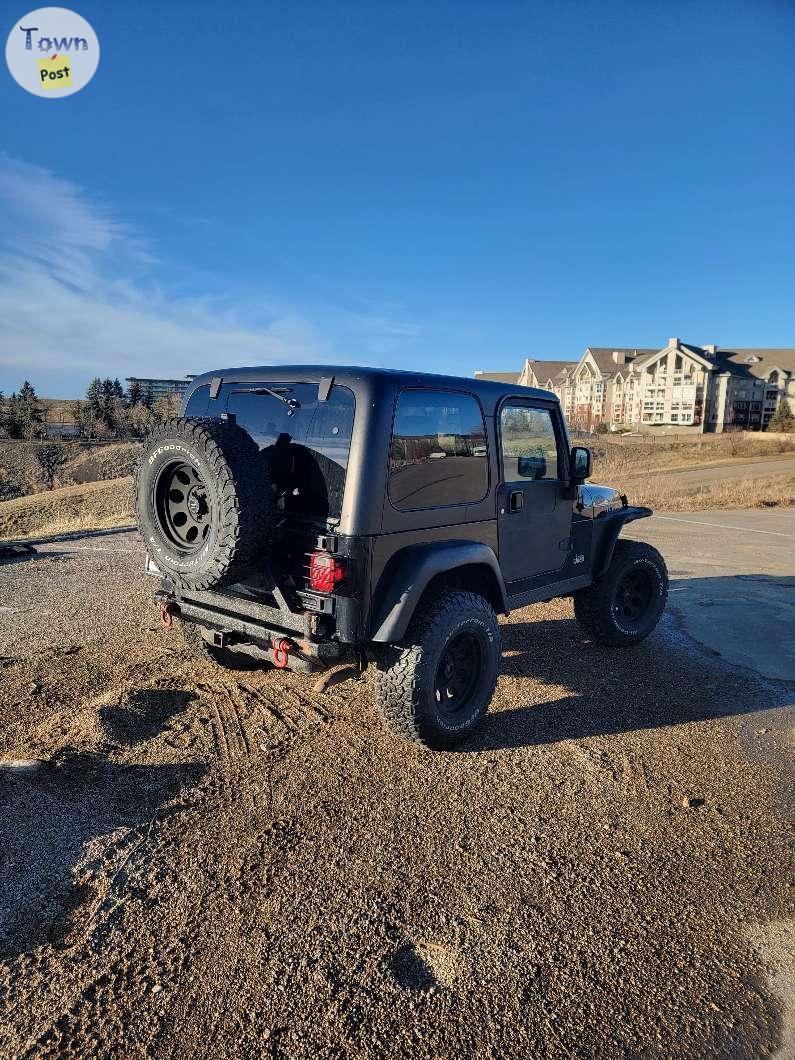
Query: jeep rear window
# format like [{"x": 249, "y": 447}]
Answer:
[
  {"x": 307, "y": 452},
  {"x": 438, "y": 452}
]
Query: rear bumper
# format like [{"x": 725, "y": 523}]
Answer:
[{"x": 252, "y": 622}]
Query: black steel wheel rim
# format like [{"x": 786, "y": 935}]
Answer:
[
  {"x": 633, "y": 597},
  {"x": 457, "y": 673},
  {"x": 182, "y": 506}
]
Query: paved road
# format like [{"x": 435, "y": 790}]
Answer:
[
  {"x": 733, "y": 582},
  {"x": 743, "y": 469},
  {"x": 196, "y": 863}
]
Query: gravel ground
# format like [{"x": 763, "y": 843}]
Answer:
[{"x": 195, "y": 863}]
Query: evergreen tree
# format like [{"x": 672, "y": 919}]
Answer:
[
  {"x": 118, "y": 390},
  {"x": 11, "y": 415},
  {"x": 94, "y": 397},
  {"x": 134, "y": 394},
  {"x": 108, "y": 402},
  {"x": 28, "y": 413},
  {"x": 782, "y": 419},
  {"x": 84, "y": 418}
]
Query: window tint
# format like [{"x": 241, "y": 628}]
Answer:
[
  {"x": 438, "y": 453},
  {"x": 307, "y": 452},
  {"x": 197, "y": 403},
  {"x": 529, "y": 448}
]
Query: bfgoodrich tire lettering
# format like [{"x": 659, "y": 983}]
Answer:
[
  {"x": 619, "y": 616},
  {"x": 235, "y": 494},
  {"x": 408, "y": 673}
]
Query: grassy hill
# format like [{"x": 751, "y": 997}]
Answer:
[{"x": 86, "y": 506}]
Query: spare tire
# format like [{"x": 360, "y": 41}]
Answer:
[{"x": 203, "y": 501}]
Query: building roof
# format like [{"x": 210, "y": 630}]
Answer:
[
  {"x": 738, "y": 360},
  {"x": 498, "y": 377},
  {"x": 603, "y": 355},
  {"x": 145, "y": 379},
  {"x": 550, "y": 369}
]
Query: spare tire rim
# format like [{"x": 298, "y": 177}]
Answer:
[
  {"x": 182, "y": 508},
  {"x": 633, "y": 596},
  {"x": 457, "y": 673}
]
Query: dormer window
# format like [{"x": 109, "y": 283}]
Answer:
[{"x": 752, "y": 359}]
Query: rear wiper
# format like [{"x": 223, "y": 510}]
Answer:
[{"x": 291, "y": 403}]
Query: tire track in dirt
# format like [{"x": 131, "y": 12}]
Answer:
[{"x": 252, "y": 726}]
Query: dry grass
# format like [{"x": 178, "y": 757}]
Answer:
[
  {"x": 19, "y": 466},
  {"x": 18, "y": 458},
  {"x": 101, "y": 462},
  {"x": 620, "y": 460},
  {"x": 91, "y": 506},
  {"x": 775, "y": 491}
]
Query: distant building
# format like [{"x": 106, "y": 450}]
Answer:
[
  {"x": 498, "y": 377},
  {"x": 681, "y": 386},
  {"x": 152, "y": 389}
]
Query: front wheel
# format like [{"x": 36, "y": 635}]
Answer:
[
  {"x": 624, "y": 606},
  {"x": 435, "y": 686}
]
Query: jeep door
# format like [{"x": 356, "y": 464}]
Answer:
[{"x": 534, "y": 514}]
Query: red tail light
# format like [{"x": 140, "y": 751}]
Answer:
[{"x": 325, "y": 572}]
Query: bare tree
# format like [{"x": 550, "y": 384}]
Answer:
[
  {"x": 137, "y": 420},
  {"x": 167, "y": 407},
  {"x": 50, "y": 459}
]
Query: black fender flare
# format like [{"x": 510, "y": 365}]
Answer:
[
  {"x": 606, "y": 528},
  {"x": 409, "y": 576}
]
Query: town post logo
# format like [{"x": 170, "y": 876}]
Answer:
[{"x": 52, "y": 52}]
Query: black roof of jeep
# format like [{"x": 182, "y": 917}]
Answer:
[{"x": 371, "y": 382}]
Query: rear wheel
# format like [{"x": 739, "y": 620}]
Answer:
[
  {"x": 435, "y": 686},
  {"x": 227, "y": 658},
  {"x": 624, "y": 606}
]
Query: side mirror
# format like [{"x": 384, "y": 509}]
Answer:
[{"x": 580, "y": 463}]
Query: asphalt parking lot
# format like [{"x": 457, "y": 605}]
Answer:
[
  {"x": 196, "y": 863},
  {"x": 733, "y": 583}
]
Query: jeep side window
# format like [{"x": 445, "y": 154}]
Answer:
[
  {"x": 438, "y": 451},
  {"x": 528, "y": 444}
]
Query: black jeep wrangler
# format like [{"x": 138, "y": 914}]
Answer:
[{"x": 310, "y": 517}]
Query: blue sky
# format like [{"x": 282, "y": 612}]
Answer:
[{"x": 447, "y": 186}]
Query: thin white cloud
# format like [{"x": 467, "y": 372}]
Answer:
[{"x": 79, "y": 297}]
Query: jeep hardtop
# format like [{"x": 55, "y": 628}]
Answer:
[{"x": 319, "y": 518}]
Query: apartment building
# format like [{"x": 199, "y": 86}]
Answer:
[
  {"x": 153, "y": 389},
  {"x": 681, "y": 386}
]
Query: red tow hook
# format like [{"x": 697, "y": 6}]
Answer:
[
  {"x": 167, "y": 614},
  {"x": 281, "y": 651}
]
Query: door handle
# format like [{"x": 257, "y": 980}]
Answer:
[{"x": 516, "y": 501}]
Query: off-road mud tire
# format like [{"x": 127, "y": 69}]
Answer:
[
  {"x": 595, "y": 607},
  {"x": 406, "y": 672},
  {"x": 238, "y": 493}
]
